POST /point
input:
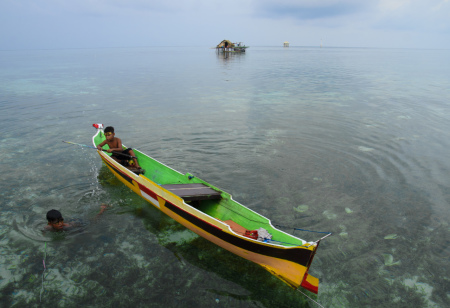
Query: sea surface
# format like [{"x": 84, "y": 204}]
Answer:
[{"x": 351, "y": 141}]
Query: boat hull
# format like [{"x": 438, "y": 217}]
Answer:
[{"x": 290, "y": 264}]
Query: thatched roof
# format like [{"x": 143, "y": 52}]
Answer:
[{"x": 225, "y": 43}]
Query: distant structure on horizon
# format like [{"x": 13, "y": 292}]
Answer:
[
  {"x": 228, "y": 46},
  {"x": 286, "y": 44}
]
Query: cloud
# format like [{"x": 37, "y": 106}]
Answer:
[
  {"x": 127, "y": 7},
  {"x": 392, "y": 5},
  {"x": 89, "y": 7},
  {"x": 310, "y": 10},
  {"x": 426, "y": 15},
  {"x": 429, "y": 15}
]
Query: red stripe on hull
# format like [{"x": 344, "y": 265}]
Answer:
[
  {"x": 148, "y": 191},
  {"x": 308, "y": 286}
]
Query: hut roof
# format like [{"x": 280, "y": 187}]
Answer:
[{"x": 226, "y": 42}]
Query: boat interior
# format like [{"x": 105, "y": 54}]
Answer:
[
  {"x": 213, "y": 202},
  {"x": 209, "y": 199}
]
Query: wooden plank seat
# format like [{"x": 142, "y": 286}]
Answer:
[
  {"x": 235, "y": 227},
  {"x": 192, "y": 192}
]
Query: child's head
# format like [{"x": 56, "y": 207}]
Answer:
[
  {"x": 109, "y": 131},
  {"x": 55, "y": 219}
]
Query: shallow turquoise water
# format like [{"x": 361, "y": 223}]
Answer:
[{"x": 352, "y": 141}]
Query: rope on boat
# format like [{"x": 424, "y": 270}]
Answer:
[
  {"x": 311, "y": 231},
  {"x": 310, "y": 298},
  {"x": 280, "y": 226},
  {"x": 43, "y": 262},
  {"x": 327, "y": 233}
]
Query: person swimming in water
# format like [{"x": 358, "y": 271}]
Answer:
[{"x": 55, "y": 220}]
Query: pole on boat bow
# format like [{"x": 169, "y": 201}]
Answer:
[{"x": 88, "y": 146}]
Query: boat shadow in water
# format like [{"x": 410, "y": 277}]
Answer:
[{"x": 250, "y": 283}]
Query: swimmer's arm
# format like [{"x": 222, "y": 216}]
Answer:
[{"x": 103, "y": 208}]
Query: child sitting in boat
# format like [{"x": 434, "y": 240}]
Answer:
[
  {"x": 56, "y": 221},
  {"x": 115, "y": 147}
]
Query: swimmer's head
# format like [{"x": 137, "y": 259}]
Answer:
[{"x": 55, "y": 219}]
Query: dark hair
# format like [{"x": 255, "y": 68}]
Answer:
[
  {"x": 54, "y": 215},
  {"x": 109, "y": 129}
]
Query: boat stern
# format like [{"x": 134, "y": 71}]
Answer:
[{"x": 310, "y": 283}]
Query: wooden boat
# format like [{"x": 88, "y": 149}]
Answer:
[{"x": 213, "y": 214}]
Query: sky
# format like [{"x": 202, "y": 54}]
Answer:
[{"x": 55, "y": 24}]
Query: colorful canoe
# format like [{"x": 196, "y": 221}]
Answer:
[{"x": 213, "y": 214}]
